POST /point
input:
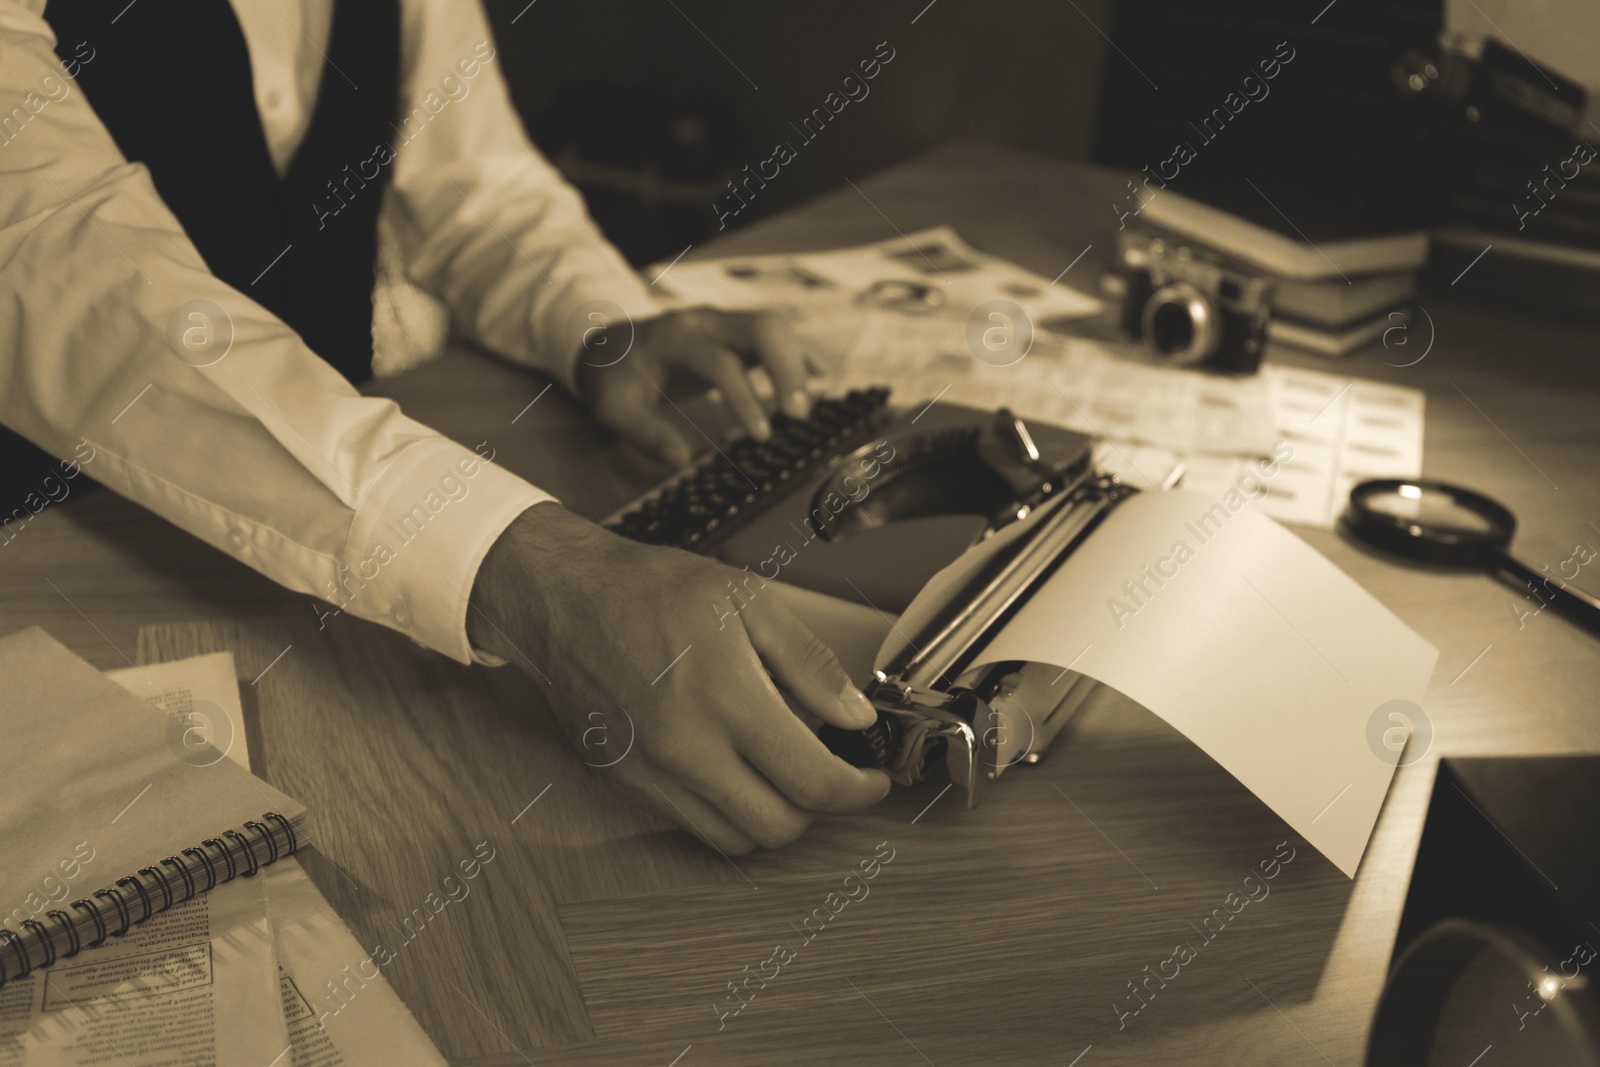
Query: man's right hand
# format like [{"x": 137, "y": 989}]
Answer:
[{"x": 613, "y": 626}]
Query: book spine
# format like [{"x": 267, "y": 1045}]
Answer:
[{"x": 112, "y": 911}]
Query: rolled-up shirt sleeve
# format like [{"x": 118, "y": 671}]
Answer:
[
  {"x": 256, "y": 445},
  {"x": 486, "y": 224}
]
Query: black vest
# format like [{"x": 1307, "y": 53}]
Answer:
[{"x": 171, "y": 80}]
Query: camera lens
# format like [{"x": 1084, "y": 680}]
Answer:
[
  {"x": 1172, "y": 328},
  {"x": 1180, "y": 325}
]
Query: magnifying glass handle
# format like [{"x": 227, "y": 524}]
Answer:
[{"x": 1564, "y": 597}]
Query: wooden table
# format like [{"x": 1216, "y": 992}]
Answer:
[{"x": 598, "y": 935}]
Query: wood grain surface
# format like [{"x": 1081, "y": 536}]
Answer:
[
  {"x": 597, "y": 935},
  {"x": 596, "y": 927}
]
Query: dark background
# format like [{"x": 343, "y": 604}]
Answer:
[
  {"x": 1011, "y": 72},
  {"x": 650, "y": 106}
]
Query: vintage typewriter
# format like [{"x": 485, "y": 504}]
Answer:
[{"x": 867, "y": 502}]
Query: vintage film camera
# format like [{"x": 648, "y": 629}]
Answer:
[
  {"x": 866, "y": 503},
  {"x": 1192, "y": 306}
]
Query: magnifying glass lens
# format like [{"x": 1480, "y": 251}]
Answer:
[
  {"x": 1432, "y": 510},
  {"x": 1430, "y": 521}
]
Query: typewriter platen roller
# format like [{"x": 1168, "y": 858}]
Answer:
[{"x": 867, "y": 503}]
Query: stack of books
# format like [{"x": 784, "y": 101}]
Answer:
[{"x": 1339, "y": 281}]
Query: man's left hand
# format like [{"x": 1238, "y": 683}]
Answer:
[{"x": 717, "y": 346}]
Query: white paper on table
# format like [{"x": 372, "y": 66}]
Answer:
[
  {"x": 938, "y": 258},
  {"x": 1256, "y": 648},
  {"x": 968, "y": 277},
  {"x": 1349, "y": 429},
  {"x": 362, "y": 1022},
  {"x": 193, "y": 984},
  {"x": 340, "y": 1010},
  {"x": 1342, "y": 430},
  {"x": 196, "y": 689},
  {"x": 1066, "y": 381}
]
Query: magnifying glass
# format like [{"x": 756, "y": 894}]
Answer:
[{"x": 1439, "y": 523}]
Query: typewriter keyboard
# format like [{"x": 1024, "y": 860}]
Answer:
[{"x": 722, "y": 491}]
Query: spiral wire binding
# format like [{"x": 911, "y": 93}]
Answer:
[
  {"x": 188, "y": 879},
  {"x": 44, "y": 937},
  {"x": 211, "y": 872},
  {"x": 38, "y": 945},
  {"x": 138, "y": 885},
  {"x": 69, "y": 926},
  {"x": 14, "y": 939},
  {"x": 122, "y": 908},
  {"x": 227, "y": 856}
]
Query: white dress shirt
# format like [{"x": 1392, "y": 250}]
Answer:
[{"x": 268, "y": 454}]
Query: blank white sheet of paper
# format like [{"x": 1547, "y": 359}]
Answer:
[{"x": 1245, "y": 639}]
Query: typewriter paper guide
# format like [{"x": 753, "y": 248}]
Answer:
[{"x": 1245, "y": 639}]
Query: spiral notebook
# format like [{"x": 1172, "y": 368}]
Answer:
[{"x": 109, "y": 811}]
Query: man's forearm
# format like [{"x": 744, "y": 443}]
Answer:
[{"x": 505, "y": 586}]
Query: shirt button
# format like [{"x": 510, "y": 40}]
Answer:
[
  {"x": 274, "y": 99},
  {"x": 401, "y": 617},
  {"x": 236, "y": 537}
]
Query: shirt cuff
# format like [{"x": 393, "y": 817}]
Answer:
[{"x": 419, "y": 537}]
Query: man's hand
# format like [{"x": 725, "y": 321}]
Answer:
[
  {"x": 612, "y": 626},
  {"x": 625, "y": 389}
]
